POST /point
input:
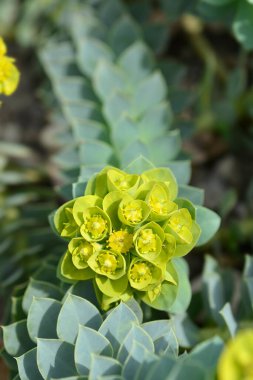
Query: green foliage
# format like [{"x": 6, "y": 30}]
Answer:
[
  {"x": 122, "y": 99},
  {"x": 217, "y": 300},
  {"x": 115, "y": 106},
  {"x": 67, "y": 337},
  {"x": 239, "y": 15},
  {"x": 25, "y": 201},
  {"x": 112, "y": 68},
  {"x": 236, "y": 14}
]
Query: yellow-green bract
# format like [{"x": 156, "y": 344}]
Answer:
[{"x": 124, "y": 234}]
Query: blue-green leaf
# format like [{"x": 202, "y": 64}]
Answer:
[
  {"x": 40, "y": 289},
  {"x": 243, "y": 26},
  {"x": 136, "y": 334},
  {"x": 138, "y": 355},
  {"x": 151, "y": 91},
  {"x": 27, "y": 366},
  {"x": 187, "y": 332},
  {"x": 207, "y": 353},
  {"x": 123, "y": 34},
  {"x": 55, "y": 359},
  {"x": 227, "y": 314},
  {"x": 90, "y": 52},
  {"x": 136, "y": 308},
  {"x": 117, "y": 325},
  {"x": 95, "y": 152},
  {"x": 137, "y": 61},
  {"x": 16, "y": 338},
  {"x": 194, "y": 194},
  {"x": 181, "y": 170},
  {"x": 74, "y": 88},
  {"x": 108, "y": 79},
  {"x": 76, "y": 311},
  {"x": 209, "y": 223},
  {"x": 42, "y": 318},
  {"x": 163, "y": 336},
  {"x": 89, "y": 342},
  {"x": 103, "y": 366}
]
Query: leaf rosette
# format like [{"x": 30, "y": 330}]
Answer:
[{"x": 125, "y": 232}]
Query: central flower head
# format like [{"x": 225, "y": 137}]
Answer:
[
  {"x": 123, "y": 233},
  {"x": 147, "y": 241},
  {"x": 120, "y": 241}
]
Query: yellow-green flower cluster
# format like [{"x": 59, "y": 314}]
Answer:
[
  {"x": 236, "y": 361},
  {"x": 124, "y": 232},
  {"x": 9, "y": 74}
]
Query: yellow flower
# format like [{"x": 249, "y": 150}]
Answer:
[
  {"x": 236, "y": 360},
  {"x": 9, "y": 74},
  {"x": 3, "y": 49},
  {"x": 120, "y": 241}
]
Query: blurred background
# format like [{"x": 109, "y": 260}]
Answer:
[{"x": 204, "y": 52}]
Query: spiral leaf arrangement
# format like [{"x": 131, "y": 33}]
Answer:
[{"x": 62, "y": 335}]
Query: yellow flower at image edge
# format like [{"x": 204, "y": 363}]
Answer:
[
  {"x": 9, "y": 74},
  {"x": 120, "y": 241},
  {"x": 236, "y": 361},
  {"x": 3, "y": 49}
]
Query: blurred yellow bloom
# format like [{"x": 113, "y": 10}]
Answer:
[
  {"x": 236, "y": 361},
  {"x": 3, "y": 49},
  {"x": 9, "y": 74}
]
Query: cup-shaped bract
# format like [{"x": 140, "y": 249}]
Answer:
[
  {"x": 133, "y": 212},
  {"x": 96, "y": 224},
  {"x": 108, "y": 263},
  {"x": 158, "y": 199},
  {"x": 64, "y": 221},
  {"x": 144, "y": 275},
  {"x": 179, "y": 224},
  {"x": 148, "y": 241},
  {"x": 81, "y": 251},
  {"x": 125, "y": 232},
  {"x": 119, "y": 180}
]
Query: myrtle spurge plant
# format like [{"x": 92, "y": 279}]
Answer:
[
  {"x": 125, "y": 232},
  {"x": 9, "y": 74}
]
